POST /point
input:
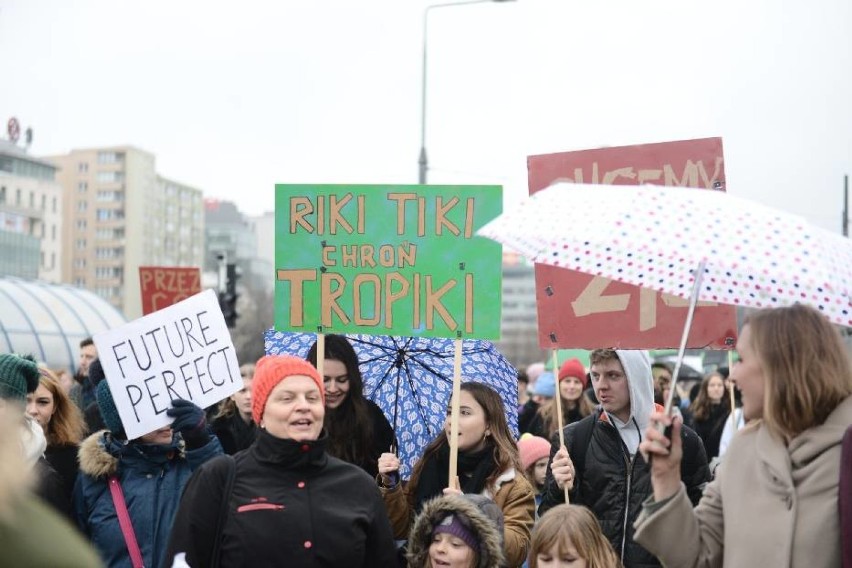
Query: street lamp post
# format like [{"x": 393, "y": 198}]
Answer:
[{"x": 423, "y": 161}]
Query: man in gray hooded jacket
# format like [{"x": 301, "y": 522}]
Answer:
[{"x": 600, "y": 463}]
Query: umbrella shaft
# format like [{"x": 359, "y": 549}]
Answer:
[{"x": 693, "y": 299}]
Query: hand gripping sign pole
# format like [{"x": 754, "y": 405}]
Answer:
[{"x": 558, "y": 396}]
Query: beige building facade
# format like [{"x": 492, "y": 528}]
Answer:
[
  {"x": 30, "y": 216},
  {"x": 119, "y": 215}
]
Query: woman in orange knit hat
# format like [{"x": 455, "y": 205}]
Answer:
[
  {"x": 573, "y": 381},
  {"x": 285, "y": 498}
]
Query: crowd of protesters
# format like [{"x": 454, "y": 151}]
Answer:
[{"x": 299, "y": 469}]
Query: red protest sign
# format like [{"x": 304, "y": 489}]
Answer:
[
  {"x": 163, "y": 286},
  {"x": 577, "y": 310}
]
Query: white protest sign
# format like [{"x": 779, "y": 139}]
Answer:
[{"x": 182, "y": 351}]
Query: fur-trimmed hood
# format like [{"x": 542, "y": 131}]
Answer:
[
  {"x": 100, "y": 453},
  {"x": 481, "y": 514}
]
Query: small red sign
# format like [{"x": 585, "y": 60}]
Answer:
[
  {"x": 577, "y": 310},
  {"x": 163, "y": 286}
]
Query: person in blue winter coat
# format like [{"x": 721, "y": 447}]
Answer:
[{"x": 152, "y": 472}]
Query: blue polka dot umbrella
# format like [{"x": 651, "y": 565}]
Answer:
[{"x": 411, "y": 379}]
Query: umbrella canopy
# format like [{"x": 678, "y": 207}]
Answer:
[
  {"x": 411, "y": 379},
  {"x": 655, "y": 237}
]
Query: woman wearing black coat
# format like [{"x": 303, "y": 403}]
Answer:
[
  {"x": 710, "y": 411},
  {"x": 288, "y": 502},
  {"x": 62, "y": 423}
]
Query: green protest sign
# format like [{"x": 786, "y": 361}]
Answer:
[{"x": 387, "y": 260}]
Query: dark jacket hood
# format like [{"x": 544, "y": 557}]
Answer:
[{"x": 483, "y": 516}]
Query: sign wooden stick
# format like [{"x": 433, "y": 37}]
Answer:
[
  {"x": 321, "y": 354},
  {"x": 454, "y": 412},
  {"x": 558, "y": 395}
]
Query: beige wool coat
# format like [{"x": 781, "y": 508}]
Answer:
[{"x": 770, "y": 505}]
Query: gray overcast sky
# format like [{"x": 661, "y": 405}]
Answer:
[{"x": 233, "y": 97}]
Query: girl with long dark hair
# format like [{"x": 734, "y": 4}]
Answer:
[
  {"x": 358, "y": 431},
  {"x": 488, "y": 464},
  {"x": 710, "y": 411}
]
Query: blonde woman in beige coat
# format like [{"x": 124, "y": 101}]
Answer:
[{"x": 774, "y": 500}]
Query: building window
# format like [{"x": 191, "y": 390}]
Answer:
[
  {"x": 80, "y": 282},
  {"x": 110, "y": 214},
  {"x": 110, "y": 177},
  {"x": 110, "y": 157},
  {"x": 32, "y": 200},
  {"x": 82, "y": 186},
  {"x": 17, "y": 197},
  {"x": 105, "y": 291},
  {"x": 43, "y": 202},
  {"x": 81, "y": 224},
  {"x": 53, "y": 232},
  {"x": 81, "y": 244},
  {"x": 79, "y": 263},
  {"x": 108, "y": 272},
  {"x": 3, "y": 194},
  {"x": 109, "y": 196},
  {"x": 82, "y": 206},
  {"x": 53, "y": 207},
  {"x": 52, "y": 260},
  {"x": 83, "y": 167}
]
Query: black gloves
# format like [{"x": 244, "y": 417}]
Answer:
[{"x": 190, "y": 422}]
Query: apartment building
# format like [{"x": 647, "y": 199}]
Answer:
[
  {"x": 235, "y": 236},
  {"x": 31, "y": 222},
  {"x": 120, "y": 215},
  {"x": 519, "y": 322}
]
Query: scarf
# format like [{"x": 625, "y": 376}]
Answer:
[
  {"x": 33, "y": 442},
  {"x": 290, "y": 454},
  {"x": 473, "y": 470}
]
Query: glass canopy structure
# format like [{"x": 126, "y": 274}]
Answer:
[{"x": 48, "y": 321}]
